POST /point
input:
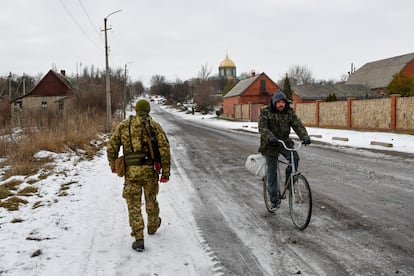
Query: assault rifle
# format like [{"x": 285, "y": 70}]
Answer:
[{"x": 153, "y": 145}]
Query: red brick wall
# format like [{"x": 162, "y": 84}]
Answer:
[
  {"x": 297, "y": 99},
  {"x": 228, "y": 106},
  {"x": 254, "y": 89},
  {"x": 409, "y": 68},
  {"x": 250, "y": 95}
]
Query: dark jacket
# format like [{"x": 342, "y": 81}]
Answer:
[{"x": 273, "y": 122}]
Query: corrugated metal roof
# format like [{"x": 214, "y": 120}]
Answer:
[
  {"x": 322, "y": 91},
  {"x": 379, "y": 74},
  {"x": 241, "y": 86}
]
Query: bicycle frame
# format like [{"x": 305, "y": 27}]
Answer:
[
  {"x": 300, "y": 196},
  {"x": 292, "y": 164}
]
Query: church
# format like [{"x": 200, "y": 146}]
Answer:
[{"x": 227, "y": 68}]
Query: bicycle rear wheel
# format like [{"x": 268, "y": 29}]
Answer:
[
  {"x": 266, "y": 196},
  {"x": 300, "y": 202}
]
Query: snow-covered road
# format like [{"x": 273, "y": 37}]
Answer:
[{"x": 214, "y": 220}]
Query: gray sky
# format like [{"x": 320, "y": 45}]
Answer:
[{"x": 176, "y": 38}]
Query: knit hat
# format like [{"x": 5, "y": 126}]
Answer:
[
  {"x": 142, "y": 106},
  {"x": 279, "y": 96}
]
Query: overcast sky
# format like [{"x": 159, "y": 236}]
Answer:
[{"x": 175, "y": 38}]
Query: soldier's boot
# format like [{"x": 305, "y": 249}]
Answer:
[
  {"x": 152, "y": 230},
  {"x": 138, "y": 245}
]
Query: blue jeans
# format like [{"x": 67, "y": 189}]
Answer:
[{"x": 272, "y": 164}]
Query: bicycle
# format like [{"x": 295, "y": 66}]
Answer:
[{"x": 300, "y": 197}]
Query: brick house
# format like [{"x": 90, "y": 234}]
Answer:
[
  {"x": 255, "y": 91},
  {"x": 54, "y": 93},
  {"x": 319, "y": 92},
  {"x": 377, "y": 75}
]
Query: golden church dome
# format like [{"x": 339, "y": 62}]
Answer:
[{"x": 227, "y": 62}]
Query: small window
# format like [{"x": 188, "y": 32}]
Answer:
[
  {"x": 44, "y": 104},
  {"x": 18, "y": 104},
  {"x": 262, "y": 86}
]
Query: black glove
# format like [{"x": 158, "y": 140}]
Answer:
[
  {"x": 306, "y": 140},
  {"x": 273, "y": 141}
]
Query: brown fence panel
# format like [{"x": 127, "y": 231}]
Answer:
[
  {"x": 238, "y": 112},
  {"x": 255, "y": 112},
  {"x": 405, "y": 113}
]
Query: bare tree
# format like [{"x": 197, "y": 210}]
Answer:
[
  {"x": 157, "y": 82},
  {"x": 203, "y": 96},
  {"x": 180, "y": 90},
  {"x": 204, "y": 72},
  {"x": 301, "y": 74}
]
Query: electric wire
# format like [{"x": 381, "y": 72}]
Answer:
[
  {"x": 79, "y": 26},
  {"x": 90, "y": 20}
]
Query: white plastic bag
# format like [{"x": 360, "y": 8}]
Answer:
[{"x": 256, "y": 164}]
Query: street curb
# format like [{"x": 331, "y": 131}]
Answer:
[
  {"x": 376, "y": 143},
  {"x": 340, "y": 138},
  {"x": 345, "y": 139}
]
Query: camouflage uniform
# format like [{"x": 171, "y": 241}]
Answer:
[
  {"x": 143, "y": 176},
  {"x": 275, "y": 123}
]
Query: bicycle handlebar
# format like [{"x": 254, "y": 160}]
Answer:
[{"x": 287, "y": 148}]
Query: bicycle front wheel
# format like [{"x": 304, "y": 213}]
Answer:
[
  {"x": 300, "y": 202},
  {"x": 266, "y": 196}
]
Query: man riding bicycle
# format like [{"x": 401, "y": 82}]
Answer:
[{"x": 275, "y": 122}]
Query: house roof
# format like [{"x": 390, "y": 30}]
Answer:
[
  {"x": 241, "y": 86},
  {"x": 322, "y": 91},
  {"x": 379, "y": 74},
  {"x": 65, "y": 80}
]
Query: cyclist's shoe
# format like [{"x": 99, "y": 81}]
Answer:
[{"x": 276, "y": 205}]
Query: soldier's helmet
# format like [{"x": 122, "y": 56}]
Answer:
[{"x": 142, "y": 106}]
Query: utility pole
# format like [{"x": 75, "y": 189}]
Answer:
[
  {"x": 125, "y": 88},
  {"x": 10, "y": 78},
  {"x": 24, "y": 85},
  {"x": 108, "y": 85}
]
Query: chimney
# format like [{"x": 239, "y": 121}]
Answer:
[
  {"x": 63, "y": 72},
  {"x": 253, "y": 73}
]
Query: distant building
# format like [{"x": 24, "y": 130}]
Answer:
[
  {"x": 377, "y": 75},
  {"x": 256, "y": 90},
  {"x": 227, "y": 68},
  {"x": 313, "y": 92},
  {"x": 54, "y": 93}
]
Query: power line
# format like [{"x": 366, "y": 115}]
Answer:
[
  {"x": 89, "y": 18},
  {"x": 79, "y": 26}
]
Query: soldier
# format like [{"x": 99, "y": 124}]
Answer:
[
  {"x": 147, "y": 154},
  {"x": 275, "y": 122}
]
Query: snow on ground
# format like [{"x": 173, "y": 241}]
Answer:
[{"x": 77, "y": 222}]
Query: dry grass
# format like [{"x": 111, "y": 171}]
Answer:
[
  {"x": 65, "y": 187},
  {"x": 72, "y": 132},
  {"x": 4, "y": 192},
  {"x": 49, "y": 132},
  {"x": 7, "y": 189},
  {"x": 12, "y": 203},
  {"x": 28, "y": 191}
]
